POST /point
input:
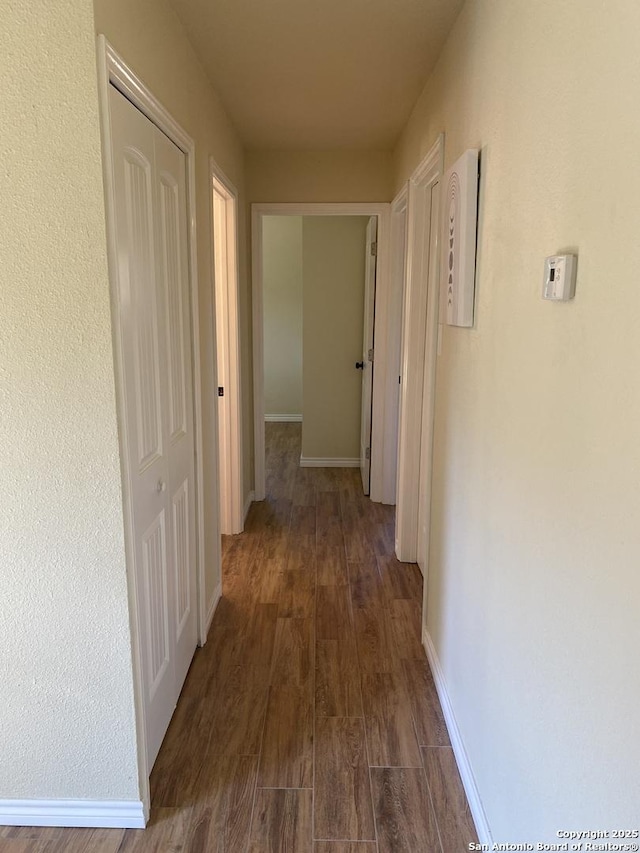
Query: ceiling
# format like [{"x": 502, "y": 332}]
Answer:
[{"x": 316, "y": 74}]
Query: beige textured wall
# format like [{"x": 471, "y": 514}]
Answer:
[
  {"x": 333, "y": 252},
  {"x": 67, "y": 727},
  {"x": 150, "y": 38},
  {"x": 534, "y": 589},
  {"x": 319, "y": 176},
  {"x": 282, "y": 312}
]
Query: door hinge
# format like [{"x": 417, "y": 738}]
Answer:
[
  {"x": 367, "y": 453},
  {"x": 220, "y": 391},
  {"x": 374, "y": 249},
  {"x": 370, "y": 355}
]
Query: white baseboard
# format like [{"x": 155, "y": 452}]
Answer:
[
  {"x": 462, "y": 759},
  {"x": 283, "y": 419},
  {"x": 217, "y": 595},
  {"x": 115, "y": 814},
  {"x": 247, "y": 506},
  {"x": 311, "y": 462}
]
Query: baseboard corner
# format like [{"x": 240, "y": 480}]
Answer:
[
  {"x": 247, "y": 506},
  {"x": 215, "y": 599}
]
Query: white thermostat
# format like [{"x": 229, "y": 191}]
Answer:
[{"x": 560, "y": 277}]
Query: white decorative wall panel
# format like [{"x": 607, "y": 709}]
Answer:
[{"x": 460, "y": 212}]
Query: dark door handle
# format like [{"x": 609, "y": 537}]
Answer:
[{"x": 359, "y": 365}]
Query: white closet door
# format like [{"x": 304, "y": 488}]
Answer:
[
  {"x": 155, "y": 342},
  {"x": 173, "y": 269}
]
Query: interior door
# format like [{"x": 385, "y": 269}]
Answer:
[
  {"x": 173, "y": 264},
  {"x": 366, "y": 364},
  {"x": 158, "y": 431},
  {"x": 220, "y": 241}
]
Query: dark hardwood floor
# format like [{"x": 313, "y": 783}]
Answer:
[{"x": 309, "y": 723}]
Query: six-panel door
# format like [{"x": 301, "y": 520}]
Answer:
[{"x": 157, "y": 424}]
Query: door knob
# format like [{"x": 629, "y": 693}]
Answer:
[
  {"x": 359, "y": 365},
  {"x": 161, "y": 487}
]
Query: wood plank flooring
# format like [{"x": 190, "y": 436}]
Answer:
[{"x": 309, "y": 723}]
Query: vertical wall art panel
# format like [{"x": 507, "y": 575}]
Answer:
[{"x": 459, "y": 238}]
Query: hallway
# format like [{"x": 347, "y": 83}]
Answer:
[
  {"x": 313, "y": 579},
  {"x": 311, "y": 712}
]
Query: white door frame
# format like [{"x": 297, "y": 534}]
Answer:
[
  {"x": 382, "y": 211},
  {"x": 113, "y": 69},
  {"x": 398, "y": 253},
  {"x": 226, "y": 320},
  {"x": 419, "y": 350}
]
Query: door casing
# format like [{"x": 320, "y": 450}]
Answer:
[
  {"x": 112, "y": 69},
  {"x": 419, "y": 352},
  {"x": 398, "y": 250}
]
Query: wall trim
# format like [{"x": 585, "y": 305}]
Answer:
[
  {"x": 418, "y": 358},
  {"x": 247, "y": 504},
  {"x": 459, "y": 751},
  {"x": 215, "y": 599},
  {"x": 327, "y": 462},
  {"x": 115, "y": 814},
  {"x": 283, "y": 419},
  {"x": 383, "y": 211},
  {"x": 395, "y": 295}
]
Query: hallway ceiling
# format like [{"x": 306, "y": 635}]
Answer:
[{"x": 313, "y": 74}]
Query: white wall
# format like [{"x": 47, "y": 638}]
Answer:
[
  {"x": 533, "y": 584},
  {"x": 333, "y": 270},
  {"x": 282, "y": 312},
  {"x": 67, "y": 727}
]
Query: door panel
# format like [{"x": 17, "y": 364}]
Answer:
[
  {"x": 169, "y": 241},
  {"x": 181, "y": 516},
  {"x": 367, "y": 352},
  {"x": 154, "y": 561},
  {"x": 140, "y": 269},
  {"x": 155, "y": 340}
]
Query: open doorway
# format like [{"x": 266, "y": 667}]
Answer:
[
  {"x": 332, "y": 353},
  {"x": 282, "y": 319},
  {"x": 224, "y": 201}
]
